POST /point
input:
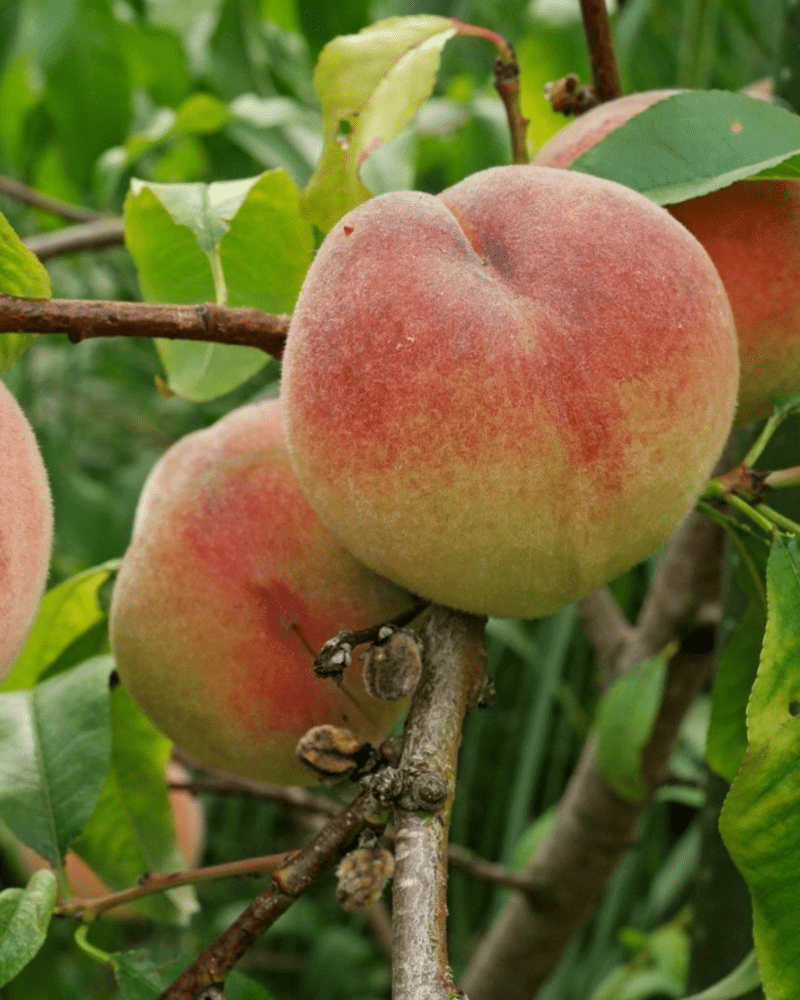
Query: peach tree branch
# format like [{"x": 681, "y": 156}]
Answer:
[
  {"x": 506, "y": 83},
  {"x": 605, "y": 72},
  {"x": 88, "y": 909},
  {"x": 82, "y": 319},
  {"x": 95, "y": 234},
  {"x": 21, "y": 192},
  {"x": 290, "y": 881},
  {"x": 452, "y": 680}
]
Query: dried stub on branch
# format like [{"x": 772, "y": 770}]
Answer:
[
  {"x": 362, "y": 876},
  {"x": 333, "y": 752},
  {"x": 393, "y": 663}
]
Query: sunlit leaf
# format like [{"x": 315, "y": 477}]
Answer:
[
  {"x": 370, "y": 86},
  {"x": 242, "y": 243},
  {"x": 21, "y": 273},
  {"x": 66, "y": 612}
]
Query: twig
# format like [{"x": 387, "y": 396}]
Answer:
[
  {"x": 88, "y": 909},
  {"x": 605, "y": 73},
  {"x": 15, "y": 189},
  {"x": 83, "y": 319},
  {"x": 305, "y": 801},
  {"x": 452, "y": 679},
  {"x": 292, "y": 880},
  {"x": 337, "y": 653},
  {"x": 506, "y": 83},
  {"x": 94, "y": 235},
  {"x": 594, "y": 826}
]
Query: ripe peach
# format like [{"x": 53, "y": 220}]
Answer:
[
  {"x": 502, "y": 396},
  {"x": 84, "y": 883},
  {"x": 26, "y": 529},
  {"x": 228, "y": 574},
  {"x": 751, "y": 231}
]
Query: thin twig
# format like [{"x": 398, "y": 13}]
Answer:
[
  {"x": 94, "y": 235},
  {"x": 289, "y": 882},
  {"x": 75, "y": 213},
  {"x": 305, "y": 801},
  {"x": 453, "y": 676},
  {"x": 155, "y": 883},
  {"x": 605, "y": 72},
  {"x": 82, "y": 319},
  {"x": 506, "y": 83}
]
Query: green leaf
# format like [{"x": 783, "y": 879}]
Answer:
[
  {"x": 777, "y": 685},
  {"x": 139, "y": 978},
  {"x": 241, "y": 242},
  {"x": 170, "y": 263},
  {"x": 21, "y": 273},
  {"x": 137, "y": 975},
  {"x": 625, "y": 718},
  {"x": 88, "y": 90},
  {"x": 738, "y": 665},
  {"x": 66, "y": 612},
  {"x": 131, "y": 831},
  {"x": 268, "y": 246},
  {"x": 370, "y": 86},
  {"x": 760, "y": 820},
  {"x": 55, "y": 748},
  {"x": 744, "y": 978},
  {"x": 693, "y": 143},
  {"x": 24, "y": 918}
]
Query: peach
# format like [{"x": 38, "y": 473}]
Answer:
[
  {"x": 502, "y": 396},
  {"x": 228, "y": 578},
  {"x": 751, "y": 231},
  {"x": 85, "y": 883},
  {"x": 26, "y": 529}
]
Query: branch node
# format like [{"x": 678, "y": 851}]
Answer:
[{"x": 424, "y": 789}]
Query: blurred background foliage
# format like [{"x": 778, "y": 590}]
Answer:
[{"x": 94, "y": 92}]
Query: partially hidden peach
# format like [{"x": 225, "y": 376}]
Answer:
[
  {"x": 26, "y": 529},
  {"x": 229, "y": 578},
  {"x": 751, "y": 231},
  {"x": 502, "y": 396},
  {"x": 85, "y": 883}
]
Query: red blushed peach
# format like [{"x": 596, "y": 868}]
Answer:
[
  {"x": 228, "y": 575},
  {"x": 502, "y": 396},
  {"x": 751, "y": 231},
  {"x": 26, "y": 529}
]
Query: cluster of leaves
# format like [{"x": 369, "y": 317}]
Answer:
[{"x": 212, "y": 107}]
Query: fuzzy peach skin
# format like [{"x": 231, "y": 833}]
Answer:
[
  {"x": 505, "y": 395},
  {"x": 227, "y": 558},
  {"x": 26, "y": 529},
  {"x": 751, "y": 231},
  {"x": 85, "y": 883}
]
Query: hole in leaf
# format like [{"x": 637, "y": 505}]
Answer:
[
  {"x": 343, "y": 132},
  {"x": 794, "y": 708}
]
